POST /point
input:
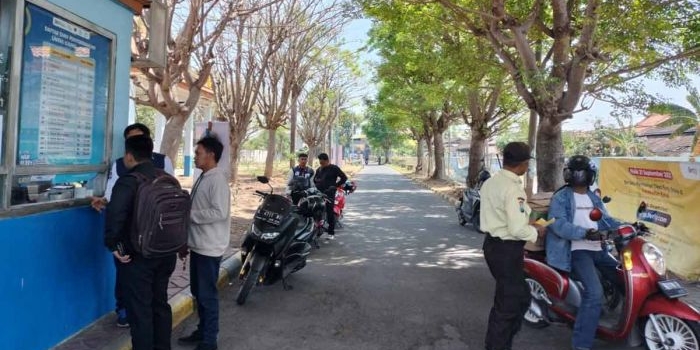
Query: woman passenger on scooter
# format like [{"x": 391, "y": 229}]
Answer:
[{"x": 574, "y": 245}]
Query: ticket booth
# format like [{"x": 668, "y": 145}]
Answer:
[{"x": 64, "y": 97}]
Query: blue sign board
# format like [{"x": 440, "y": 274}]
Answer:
[{"x": 64, "y": 92}]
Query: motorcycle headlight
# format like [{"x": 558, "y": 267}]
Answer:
[
  {"x": 264, "y": 235},
  {"x": 655, "y": 258},
  {"x": 270, "y": 235}
]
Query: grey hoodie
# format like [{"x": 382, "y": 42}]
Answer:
[{"x": 210, "y": 224}]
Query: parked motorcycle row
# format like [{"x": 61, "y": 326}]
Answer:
[
  {"x": 650, "y": 312},
  {"x": 282, "y": 235}
]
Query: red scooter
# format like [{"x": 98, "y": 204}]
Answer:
[
  {"x": 650, "y": 312},
  {"x": 341, "y": 192}
]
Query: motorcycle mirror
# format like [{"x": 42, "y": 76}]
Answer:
[
  {"x": 596, "y": 214},
  {"x": 263, "y": 179},
  {"x": 606, "y": 199}
]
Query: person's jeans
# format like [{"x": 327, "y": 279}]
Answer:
[
  {"x": 145, "y": 291},
  {"x": 204, "y": 273},
  {"x": 585, "y": 265}
]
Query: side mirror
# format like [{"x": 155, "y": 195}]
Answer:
[
  {"x": 263, "y": 179},
  {"x": 596, "y": 214}
]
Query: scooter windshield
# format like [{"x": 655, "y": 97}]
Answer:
[{"x": 273, "y": 210}]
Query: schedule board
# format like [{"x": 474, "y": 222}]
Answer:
[{"x": 64, "y": 96}]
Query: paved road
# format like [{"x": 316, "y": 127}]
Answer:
[{"x": 402, "y": 274}]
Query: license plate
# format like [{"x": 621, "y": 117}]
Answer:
[
  {"x": 672, "y": 289},
  {"x": 268, "y": 216}
]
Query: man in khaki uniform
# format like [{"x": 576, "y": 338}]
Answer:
[{"x": 505, "y": 218}]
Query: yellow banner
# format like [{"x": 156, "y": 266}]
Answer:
[{"x": 665, "y": 195}]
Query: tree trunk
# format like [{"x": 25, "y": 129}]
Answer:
[
  {"x": 429, "y": 143},
  {"x": 271, "y": 145},
  {"x": 419, "y": 155},
  {"x": 235, "y": 149},
  {"x": 172, "y": 136},
  {"x": 386, "y": 156},
  {"x": 293, "y": 131},
  {"x": 477, "y": 147},
  {"x": 439, "y": 150},
  {"x": 696, "y": 142},
  {"x": 532, "y": 141},
  {"x": 550, "y": 156}
]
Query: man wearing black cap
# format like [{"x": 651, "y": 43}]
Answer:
[{"x": 505, "y": 217}]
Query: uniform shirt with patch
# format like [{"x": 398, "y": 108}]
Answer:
[{"x": 504, "y": 211}]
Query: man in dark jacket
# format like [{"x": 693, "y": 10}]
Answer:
[
  {"x": 327, "y": 179},
  {"x": 145, "y": 281}
]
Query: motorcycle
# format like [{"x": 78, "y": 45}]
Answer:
[
  {"x": 468, "y": 208},
  {"x": 276, "y": 244},
  {"x": 312, "y": 206},
  {"x": 650, "y": 304}
]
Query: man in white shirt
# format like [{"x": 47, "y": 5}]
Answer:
[
  {"x": 209, "y": 236},
  {"x": 118, "y": 169},
  {"x": 505, "y": 219}
]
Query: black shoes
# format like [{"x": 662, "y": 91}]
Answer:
[
  {"x": 195, "y": 337},
  {"x": 203, "y": 346}
]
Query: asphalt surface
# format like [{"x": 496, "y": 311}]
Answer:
[{"x": 402, "y": 274}]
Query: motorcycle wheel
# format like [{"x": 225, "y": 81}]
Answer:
[
  {"x": 476, "y": 220},
  {"x": 531, "y": 317},
  {"x": 460, "y": 217},
  {"x": 678, "y": 334},
  {"x": 257, "y": 262},
  {"x": 318, "y": 231}
]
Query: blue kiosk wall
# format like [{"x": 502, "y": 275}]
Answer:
[{"x": 56, "y": 277}]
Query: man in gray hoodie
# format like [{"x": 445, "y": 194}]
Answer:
[{"x": 209, "y": 235}]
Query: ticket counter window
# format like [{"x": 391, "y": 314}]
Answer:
[{"x": 55, "y": 105}]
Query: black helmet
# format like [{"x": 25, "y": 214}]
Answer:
[{"x": 579, "y": 171}]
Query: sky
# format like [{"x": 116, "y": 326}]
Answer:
[{"x": 355, "y": 37}]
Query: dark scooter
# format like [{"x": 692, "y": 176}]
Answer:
[
  {"x": 469, "y": 205},
  {"x": 651, "y": 311},
  {"x": 276, "y": 244}
]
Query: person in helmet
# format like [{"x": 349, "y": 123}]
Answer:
[{"x": 574, "y": 244}]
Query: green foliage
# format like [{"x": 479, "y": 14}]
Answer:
[
  {"x": 604, "y": 141},
  {"x": 345, "y": 127},
  {"x": 259, "y": 141},
  {"x": 147, "y": 116},
  {"x": 379, "y": 133},
  {"x": 683, "y": 118},
  {"x": 517, "y": 131}
]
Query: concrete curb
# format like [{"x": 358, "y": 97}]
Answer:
[{"x": 182, "y": 303}]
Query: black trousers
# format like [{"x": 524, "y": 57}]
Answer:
[
  {"x": 330, "y": 214},
  {"x": 505, "y": 261},
  {"x": 118, "y": 295},
  {"x": 145, "y": 296}
]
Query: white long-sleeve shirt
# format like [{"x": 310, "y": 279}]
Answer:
[{"x": 210, "y": 217}]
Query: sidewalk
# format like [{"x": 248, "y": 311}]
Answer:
[
  {"x": 104, "y": 334},
  {"x": 693, "y": 288}
]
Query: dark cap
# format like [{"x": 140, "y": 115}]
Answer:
[{"x": 516, "y": 152}]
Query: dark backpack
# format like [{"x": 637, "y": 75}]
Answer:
[{"x": 161, "y": 215}]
